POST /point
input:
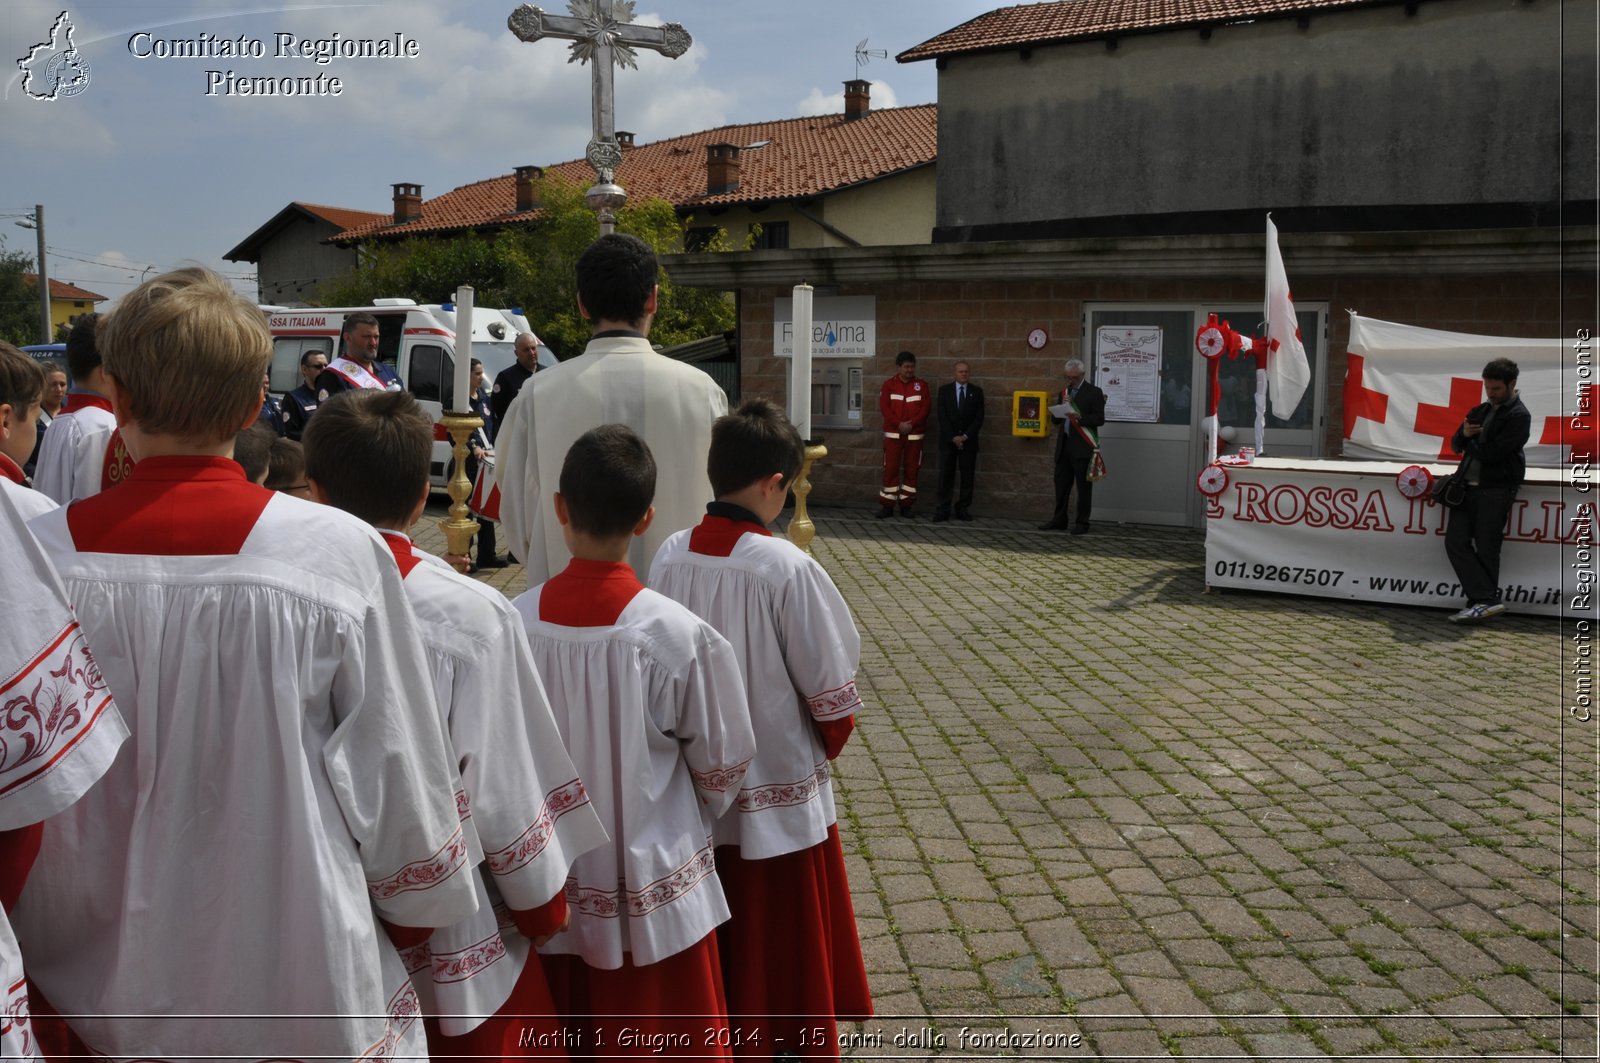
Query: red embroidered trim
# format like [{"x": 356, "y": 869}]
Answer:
[
  {"x": 404, "y": 1007},
  {"x": 785, "y": 794},
  {"x": 118, "y": 463},
  {"x": 719, "y": 779},
  {"x": 424, "y": 874},
  {"x": 45, "y": 710},
  {"x": 463, "y": 805},
  {"x": 532, "y": 843},
  {"x": 19, "y": 1019},
  {"x": 463, "y": 964},
  {"x": 608, "y": 904},
  {"x": 840, "y": 701}
]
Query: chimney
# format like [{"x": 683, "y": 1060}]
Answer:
[
  {"x": 407, "y": 203},
  {"x": 722, "y": 169},
  {"x": 857, "y": 99},
  {"x": 624, "y": 139},
  {"x": 527, "y": 181}
]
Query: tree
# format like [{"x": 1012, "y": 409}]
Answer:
[
  {"x": 532, "y": 266},
  {"x": 19, "y": 300}
]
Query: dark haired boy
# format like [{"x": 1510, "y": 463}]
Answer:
[
  {"x": 652, "y": 709},
  {"x": 525, "y": 799},
  {"x": 84, "y": 453},
  {"x": 790, "y": 954},
  {"x": 21, "y": 388}
]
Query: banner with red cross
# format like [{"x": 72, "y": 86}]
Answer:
[{"x": 1407, "y": 389}]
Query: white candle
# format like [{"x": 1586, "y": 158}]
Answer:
[
  {"x": 800, "y": 363},
  {"x": 463, "y": 377}
]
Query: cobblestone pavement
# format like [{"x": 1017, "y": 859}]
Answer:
[{"x": 1092, "y": 811}]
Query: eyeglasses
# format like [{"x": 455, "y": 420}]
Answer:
[{"x": 317, "y": 365}]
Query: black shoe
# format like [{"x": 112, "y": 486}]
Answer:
[
  {"x": 493, "y": 562},
  {"x": 1080, "y": 529},
  {"x": 962, "y": 514},
  {"x": 940, "y": 518},
  {"x": 1052, "y": 526},
  {"x": 885, "y": 511},
  {"x": 906, "y": 513}
]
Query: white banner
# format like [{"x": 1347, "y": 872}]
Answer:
[
  {"x": 1343, "y": 530},
  {"x": 1406, "y": 390}
]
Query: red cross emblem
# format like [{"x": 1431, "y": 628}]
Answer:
[
  {"x": 1465, "y": 393},
  {"x": 1361, "y": 401},
  {"x": 1580, "y": 431}
]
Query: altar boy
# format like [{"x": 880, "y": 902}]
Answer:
[
  {"x": 652, "y": 709},
  {"x": 790, "y": 955},
  {"x": 285, "y": 771},
  {"x": 521, "y": 791}
]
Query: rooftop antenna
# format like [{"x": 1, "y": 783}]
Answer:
[{"x": 865, "y": 55}]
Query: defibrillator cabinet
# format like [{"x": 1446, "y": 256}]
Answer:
[{"x": 1028, "y": 414}]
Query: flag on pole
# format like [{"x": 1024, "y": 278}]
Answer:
[{"x": 1288, "y": 372}]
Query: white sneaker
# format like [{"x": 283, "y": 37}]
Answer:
[
  {"x": 1493, "y": 610},
  {"x": 1472, "y": 614}
]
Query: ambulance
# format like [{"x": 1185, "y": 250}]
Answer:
[{"x": 417, "y": 339}]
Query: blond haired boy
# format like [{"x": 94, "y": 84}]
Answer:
[{"x": 286, "y": 773}]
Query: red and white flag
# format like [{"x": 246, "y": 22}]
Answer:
[
  {"x": 1288, "y": 372},
  {"x": 1406, "y": 390}
]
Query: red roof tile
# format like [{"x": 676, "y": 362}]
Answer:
[
  {"x": 791, "y": 159},
  {"x": 1012, "y": 27},
  {"x": 64, "y": 290},
  {"x": 343, "y": 217}
]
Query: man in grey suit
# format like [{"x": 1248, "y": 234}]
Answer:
[{"x": 960, "y": 408}]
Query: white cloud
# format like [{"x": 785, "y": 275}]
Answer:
[{"x": 822, "y": 101}]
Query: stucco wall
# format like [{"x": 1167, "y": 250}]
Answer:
[
  {"x": 1456, "y": 104},
  {"x": 895, "y": 210},
  {"x": 294, "y": 263}
]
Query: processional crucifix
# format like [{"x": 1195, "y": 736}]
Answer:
[{"x": 603, "y": 33}]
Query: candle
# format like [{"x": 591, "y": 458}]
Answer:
[
  {"x": 800, "y": 363},
  {"x": 463, "y": 377}
]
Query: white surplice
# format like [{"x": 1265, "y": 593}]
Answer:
[
  {"x": 798, "y": 650},
  {"x": 287, "y": 775},
  {"x": 58, "y": 472},
  {"x": 525, "y": 799},
  {"x": 60, "y": 730},
  {"x": 653, "y": 712},
  {"x": 617, "y": 380},
  {"x": 29, "y": 503}
]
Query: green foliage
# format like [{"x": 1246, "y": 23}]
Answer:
[
  {"x": 532, "y": 266},
  {"x": 19, "y": 300}
]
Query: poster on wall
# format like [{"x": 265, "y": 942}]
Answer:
[{"x": 1127, "y": 367}]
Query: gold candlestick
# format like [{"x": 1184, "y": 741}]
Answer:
[
  {"x": 460, "y": 528},
  {"x": 801, "y": 530}
]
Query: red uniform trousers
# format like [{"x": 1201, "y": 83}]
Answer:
[{"x": 902, "y": 460}]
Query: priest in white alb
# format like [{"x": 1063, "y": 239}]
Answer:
[{"x": 619, "y": 379}]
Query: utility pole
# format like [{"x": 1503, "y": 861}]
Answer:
[{"x": 46, "y": 333}]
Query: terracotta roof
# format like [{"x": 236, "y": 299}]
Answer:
[
  {"x": 791, "y": 159},
  {"x": 64, "y": 290},
  {"x": 1013, "y": 27},
  {"x": 249, "y": 249}
]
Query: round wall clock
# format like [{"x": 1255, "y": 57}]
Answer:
[{"x": 1038, "y": 338}]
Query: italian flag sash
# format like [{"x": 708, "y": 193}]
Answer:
[{"x": 1097, "y": 463}]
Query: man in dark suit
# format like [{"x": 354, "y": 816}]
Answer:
[
  {"x": 960, "y": 406},
  {"x": 1073, "y": 450}
]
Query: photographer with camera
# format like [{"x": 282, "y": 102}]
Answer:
[{"x": 1490, "y": 442}]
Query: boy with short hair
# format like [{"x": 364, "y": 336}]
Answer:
[
  {"x": 652, "y": 709},
  {"x": 84, "y": 454},
  {"x": 525, "y": 798},
  {"x": 285, "y": 774},
  {"x": 21, "y": 389},
  {"x": 790, "y": 954}
]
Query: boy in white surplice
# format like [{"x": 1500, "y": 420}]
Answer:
[{"x": 652, "y": 709}]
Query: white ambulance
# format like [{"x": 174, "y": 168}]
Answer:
[{"x": 417, "y": 339}]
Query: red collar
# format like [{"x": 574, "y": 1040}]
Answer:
[
  {"x": 399, "y": 544},
  {"x": 172, "y": 505},
  {"x": 12, "y": 471},
  {"x": 80, "y": 400},
  {"x": 716, "y": 536},
  {"x": 588, "y": 593}
]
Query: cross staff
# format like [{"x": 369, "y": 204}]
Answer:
[{"x": 601, "y": 39}]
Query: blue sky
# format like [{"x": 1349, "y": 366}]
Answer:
[{"x": 143, "y": 168}]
